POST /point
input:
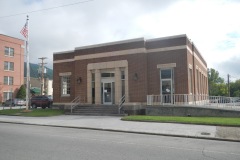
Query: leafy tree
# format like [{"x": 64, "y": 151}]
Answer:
[
  {"x": 216, "y": 84},
  {"x": 235, "y": 88},
  {"x": 21, "y": 92},
  {"x": 213, "y": 76}
]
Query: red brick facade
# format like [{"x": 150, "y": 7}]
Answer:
[
  {"x": 14, "y": 72},
  {"x": 144, "y": 60}
]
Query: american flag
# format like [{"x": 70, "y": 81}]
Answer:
[{"x": 24, "y": 31}]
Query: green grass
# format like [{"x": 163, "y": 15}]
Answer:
[
  {"x": 32, "y": 113},
  {"x": 222, "y": 121}
]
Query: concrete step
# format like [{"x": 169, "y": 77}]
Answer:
[
  {"x": 95, "y": 114},
  {"x": 97, "y": 110}
]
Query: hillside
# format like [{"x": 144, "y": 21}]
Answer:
[{"x": 34, "y": 71}]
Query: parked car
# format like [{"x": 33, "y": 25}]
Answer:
[
  {"x": 14, "y": 102},
  {"x": 41, "y": 101},
  {"x": 238, "y": 100},
  {"x": 50, "y": 98}
]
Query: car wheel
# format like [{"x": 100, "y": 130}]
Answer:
[
  {"x": 34, "y": 106},
  {"x": 43, "y": 107}
]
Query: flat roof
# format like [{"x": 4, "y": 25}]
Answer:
[
  {"x": 11, "y": 37},
  {"x": 110, "y": 43},
  {"x": 164, "y": 38},
  {"x": 61, "y": 52}
]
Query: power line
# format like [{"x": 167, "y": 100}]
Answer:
[{"x": 46, "y": 9}]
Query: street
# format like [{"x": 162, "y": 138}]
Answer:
[{"x": 31, "y": 142}]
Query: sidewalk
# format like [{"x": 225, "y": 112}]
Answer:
[{"x": 108, "y": 123}]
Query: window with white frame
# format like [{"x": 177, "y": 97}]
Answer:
[
  {"x": 65, "y": 85},
  {"x": 8, "y": 80},
  {"x": 123, "y": 82},
  {"x": 9, "y": 51},
  {"x": 7, "y": 95},
  {"x": 8, "y": 66}
]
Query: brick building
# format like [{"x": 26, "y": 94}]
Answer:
[
  {"x": 103, "y": 73},
  {"x": 11, "y": 66}
]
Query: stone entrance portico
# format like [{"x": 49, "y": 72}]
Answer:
[{"x": 95, "y": 69}]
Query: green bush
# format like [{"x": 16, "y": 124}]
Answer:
[{"x": 21, "y": 92}]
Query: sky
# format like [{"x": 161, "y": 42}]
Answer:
[{"x": 213, "y": 25}]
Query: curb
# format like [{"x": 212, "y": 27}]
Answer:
[
  {"x": 217, "y": 125},
  {"x": 123, "y": 131}
]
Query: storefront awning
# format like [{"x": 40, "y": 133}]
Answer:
[{"x": 35, "y": 90}]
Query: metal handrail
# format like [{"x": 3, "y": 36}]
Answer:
[
  {"x": 194, "y": 100},
  {"x": 121, "y": 101},
  {"x": 75, "y": 102}
]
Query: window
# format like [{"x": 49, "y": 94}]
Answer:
[
  {"x": 123, "y": 82},
  {"x": 107, "y": 74},
  {"x": 166, "y": 74},
  {"x": 93, "y": 88},
  {"x": 197, "y": 82},
  {"x": 8, "y": 66},
  {"x": 8, "y": 80},
  {"x": 190, "y": 81},
  {"x": 65, "y": 85},
  {"x": 9, "y": 51},
  {"x": 7, "y": 95}
]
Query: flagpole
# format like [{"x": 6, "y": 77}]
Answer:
[{"x": 28, "y": 71}]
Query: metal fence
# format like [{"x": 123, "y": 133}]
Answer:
[{"x": 194, "y": 100}]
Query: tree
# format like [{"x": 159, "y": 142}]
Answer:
[
  {"x": 216, "y": 84},
  {"x": 235, "y": 88},
  {"x": 213, "y": 76},
  {"x": 21, "y": 92}
]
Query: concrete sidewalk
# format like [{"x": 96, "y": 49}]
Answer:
[{"x": 108, "y": 123}]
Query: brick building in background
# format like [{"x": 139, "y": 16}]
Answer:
[
  {"x": 103, "y": 73},
  {"x": 11, "y": 66}
]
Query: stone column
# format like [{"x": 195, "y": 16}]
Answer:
[
  {"x": 89, "y": 87},
  {"x": 118, "y": 89},
  {"x": 97, "y": 86}
]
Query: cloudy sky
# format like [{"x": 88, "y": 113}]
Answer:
[{"x": 213, "y": 25}]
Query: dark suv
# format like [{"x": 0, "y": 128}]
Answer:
[{"x": 41, "y": 101}]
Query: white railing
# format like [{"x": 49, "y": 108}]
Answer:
[
  {"x": 121, "y": 101},
  {"x": 75, "y": 103},
  {"x": 193, "y": 100}
]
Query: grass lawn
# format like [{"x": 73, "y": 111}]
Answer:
[
  {"x": 222, "y": 121},
  {"x": 32, "y": 113}
]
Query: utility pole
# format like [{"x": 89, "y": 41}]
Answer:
[
  {"x": 228, "y": 77},
  {"x": 42, "y": 73}
]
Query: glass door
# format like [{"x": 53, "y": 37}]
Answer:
[
  {"x": 167, "y": 91},
  {"x": 107, "y": 93},
  {"x": 166, "y": 85}
]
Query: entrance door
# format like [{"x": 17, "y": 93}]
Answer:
[
  {"x": 166, "y": 76},
  {"x": 167, "y": 95},
  {"x": 107, "y": 93}
]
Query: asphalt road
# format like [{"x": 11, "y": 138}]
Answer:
[{"x": 28, "y": 142}]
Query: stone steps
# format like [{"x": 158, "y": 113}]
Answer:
[{"x": 96, "y": 110}]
